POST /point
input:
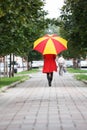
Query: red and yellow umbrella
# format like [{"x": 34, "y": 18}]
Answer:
[{"x": 50, "y": 44}]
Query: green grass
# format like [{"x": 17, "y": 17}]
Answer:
[
  {"x": 29, "y": 72},
  {"x": 81, "y": 77},
  {"x": 71, "y": 70},
  {"x": 7, "y": 81},
  {"x": 82, "y": 73}
]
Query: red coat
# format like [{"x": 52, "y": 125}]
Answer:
[{"x": 49, "y": 63}]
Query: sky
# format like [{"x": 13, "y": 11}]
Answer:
[{"x": 53, "y": 7}]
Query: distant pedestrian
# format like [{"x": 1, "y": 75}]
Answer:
[
  {"x": 61, "y": 64},
  {"x": 49, "y": 66}
]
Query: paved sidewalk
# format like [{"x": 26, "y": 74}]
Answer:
[{"x": 33, "y": 105}]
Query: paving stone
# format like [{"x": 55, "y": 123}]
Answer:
[{"x": 33, "y": 105}]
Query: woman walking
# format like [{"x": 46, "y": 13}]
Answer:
[
  {"x": 61, "y": 64},
  {"x": 49, "y": 66}
]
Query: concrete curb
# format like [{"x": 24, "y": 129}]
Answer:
[{"x": 85, "y": 81}]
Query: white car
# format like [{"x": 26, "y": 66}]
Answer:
[
  {"x": 69, "y": 63},
  {"x": 37, "y": 64},
  {"x": 83, "y": 63}
]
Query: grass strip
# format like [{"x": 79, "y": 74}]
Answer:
[
  {"x": 72, "y": 70},
  {"x": 7, "y": 81},
  {"x": 29, "y": 72},
  {"x": 81, "y": 77}
]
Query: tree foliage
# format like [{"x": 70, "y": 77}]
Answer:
[
  {"x": 21, "y": 22},
  {"x": 74, "y": 26}
]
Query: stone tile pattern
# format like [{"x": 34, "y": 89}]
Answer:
[{"x": 33, "y": 105}]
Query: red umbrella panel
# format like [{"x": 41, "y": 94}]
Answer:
[{"x": 50, "y": 44}]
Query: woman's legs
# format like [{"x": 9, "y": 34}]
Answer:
[{"x": 50, "y": 78}]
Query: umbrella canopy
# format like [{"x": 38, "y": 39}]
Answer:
[{"x": 50, "y": 44}]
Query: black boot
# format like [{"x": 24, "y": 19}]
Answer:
[
  {"x": 50, "y": 83},
  {"x": 49, "y": 77}
]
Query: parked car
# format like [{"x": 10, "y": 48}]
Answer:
[
  {"x": 69, "y": 63},
  {"x": 83, "y": 63},
  {"x": 37, "y": 64}
]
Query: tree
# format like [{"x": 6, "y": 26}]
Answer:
[
  {"x": 74, "y": 25},
  {"x": 21, "y": 22}
]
